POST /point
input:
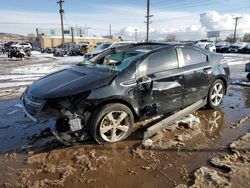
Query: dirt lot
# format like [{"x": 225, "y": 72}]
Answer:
[{"x": 209, "y": 148}]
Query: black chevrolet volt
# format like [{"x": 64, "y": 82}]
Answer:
[{"x": 105, "y": 95}]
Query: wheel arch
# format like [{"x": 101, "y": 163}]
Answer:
[
  {"x": 121, "y": 101},
  {"x": 223, "y": 79}
]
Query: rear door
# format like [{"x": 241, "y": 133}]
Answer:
[
  {"x": 162, "y": 87},
  {"x": 197, "y": 74}
]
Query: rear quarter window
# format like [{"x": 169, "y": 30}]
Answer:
[{"x": 192, "y": 57}]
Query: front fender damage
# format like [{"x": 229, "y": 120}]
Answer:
[{"x": 71, "y": 115}]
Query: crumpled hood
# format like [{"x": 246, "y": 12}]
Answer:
[{"x": 69, "y": 82}]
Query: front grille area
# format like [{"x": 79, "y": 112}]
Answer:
[{"x": 32, "y": 105}]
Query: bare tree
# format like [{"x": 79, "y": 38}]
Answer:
[
  {"x": 230, "y": 38},
  {"x": 170, "y": 38},
  {"x": 31, "y": 37},
  {"x": 246, "y": 37}
]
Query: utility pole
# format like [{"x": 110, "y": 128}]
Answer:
[
  {"x": 148, "y": 16},
  {"x": 110, "y": 31},
  {"x": 136, "y": 35},
  {"x": 235, "y": 27},
  {"x": 72, "y": 34},
  {"x": 61, "y": 11}
]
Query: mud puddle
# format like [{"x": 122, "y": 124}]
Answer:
[{"x": 171, "y": 158}]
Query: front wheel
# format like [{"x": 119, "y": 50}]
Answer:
[
  {"x": 111, "y": 123},
  {"x": 216, "y": 94}
]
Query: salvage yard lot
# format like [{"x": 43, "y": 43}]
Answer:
[{"x": 204, "y": 144}]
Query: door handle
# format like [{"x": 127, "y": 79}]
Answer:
[
  {"x": 177, "y": 77},
  {"x": 207, "y": 70}
]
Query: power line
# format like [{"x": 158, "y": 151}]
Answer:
[
  {"x": 27, "y": 23},
  {"x": 188, "y": 5},
  {"x": 189, "y": 16}
]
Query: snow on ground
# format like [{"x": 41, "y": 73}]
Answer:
[
  {"x": 38, "y": 65},
  {"x": 14, "y": 84},
  {"x": 237, "y": 59}
]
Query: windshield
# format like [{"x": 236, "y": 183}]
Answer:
[
  {"x": 114, "y": 45},
  {"x": 112, "y": 59},
  {"x": 102, "y": 46}
]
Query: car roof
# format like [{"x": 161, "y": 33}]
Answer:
[{"x": 150, "y": 47}]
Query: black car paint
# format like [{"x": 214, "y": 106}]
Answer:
[
  {"x": 145, "y": 94},
  {"x": 70, "y": 82}
]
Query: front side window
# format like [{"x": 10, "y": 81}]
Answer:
[
  {"x": 162, "y": 60},
  {"x": 204, "y": 58},
  {"x": 191, "y": 57}
]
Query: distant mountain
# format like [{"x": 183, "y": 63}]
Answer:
[{"x": 11, "y": 34}]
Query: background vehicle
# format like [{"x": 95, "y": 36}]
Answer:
[
  {"x": 48, "y": 50},
  {"x": 16, "y": 52},
  {"x": 206, "y": 45},
  {"x": 222, "y": 47},
  {"x": 236, "y": 47},
  {"x": 245, "y": 50},
  {"x": 103, "y": 96},
  {"x": 22, "y": 45},
  {"x": 60, "y": 52},
  {"x": 247, "y": 69}
]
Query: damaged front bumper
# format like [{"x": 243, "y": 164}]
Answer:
[{"x": 32, "y": 106}]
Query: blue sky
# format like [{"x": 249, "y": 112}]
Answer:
[
  {"x": 23, "y": 16},
  {"x": 87, "y": 5}
]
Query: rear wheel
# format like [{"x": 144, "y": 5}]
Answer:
[
  {"x": 248, "y": 76},
  {"x": 216, "y": 94},
  {"x": 111, "y": 123}
]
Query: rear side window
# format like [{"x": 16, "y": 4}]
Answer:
[
  {"x": 162, "y": 60},
  {"x": 192, "y": 57}
]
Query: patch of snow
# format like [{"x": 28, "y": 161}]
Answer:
[
  {"x": 14, "y": 84},
  {"x": 37, "y": 69},
  {"x": 241, "y": 83},
  {"x": 34, "y": 52},
  {"x": 12, "y": 112},
  {"x": 18, "y": 105},
  {"x": 189, "y": 119},
  {"x": 17, "y": 76}
]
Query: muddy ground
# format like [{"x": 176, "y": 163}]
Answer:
[{"x": 209, "y": 148}]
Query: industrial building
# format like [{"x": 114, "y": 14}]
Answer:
[{"x": 51, "y": 37}]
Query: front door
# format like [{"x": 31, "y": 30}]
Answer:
[{"x": 162, "y": 86}]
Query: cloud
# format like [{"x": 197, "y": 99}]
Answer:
[
  {"x": 124, "y": 20},
  {"x": 208, "y": 21}
]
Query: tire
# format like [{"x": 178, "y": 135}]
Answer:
[
  {"x": 216, "y": 94},
  {"x": 248, "y": 76},
  {"x": 105, "y": 126}
]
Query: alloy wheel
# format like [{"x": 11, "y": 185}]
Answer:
[
  {"x": 114, "y": 126},
  {"x": 217, "y": 94}
]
